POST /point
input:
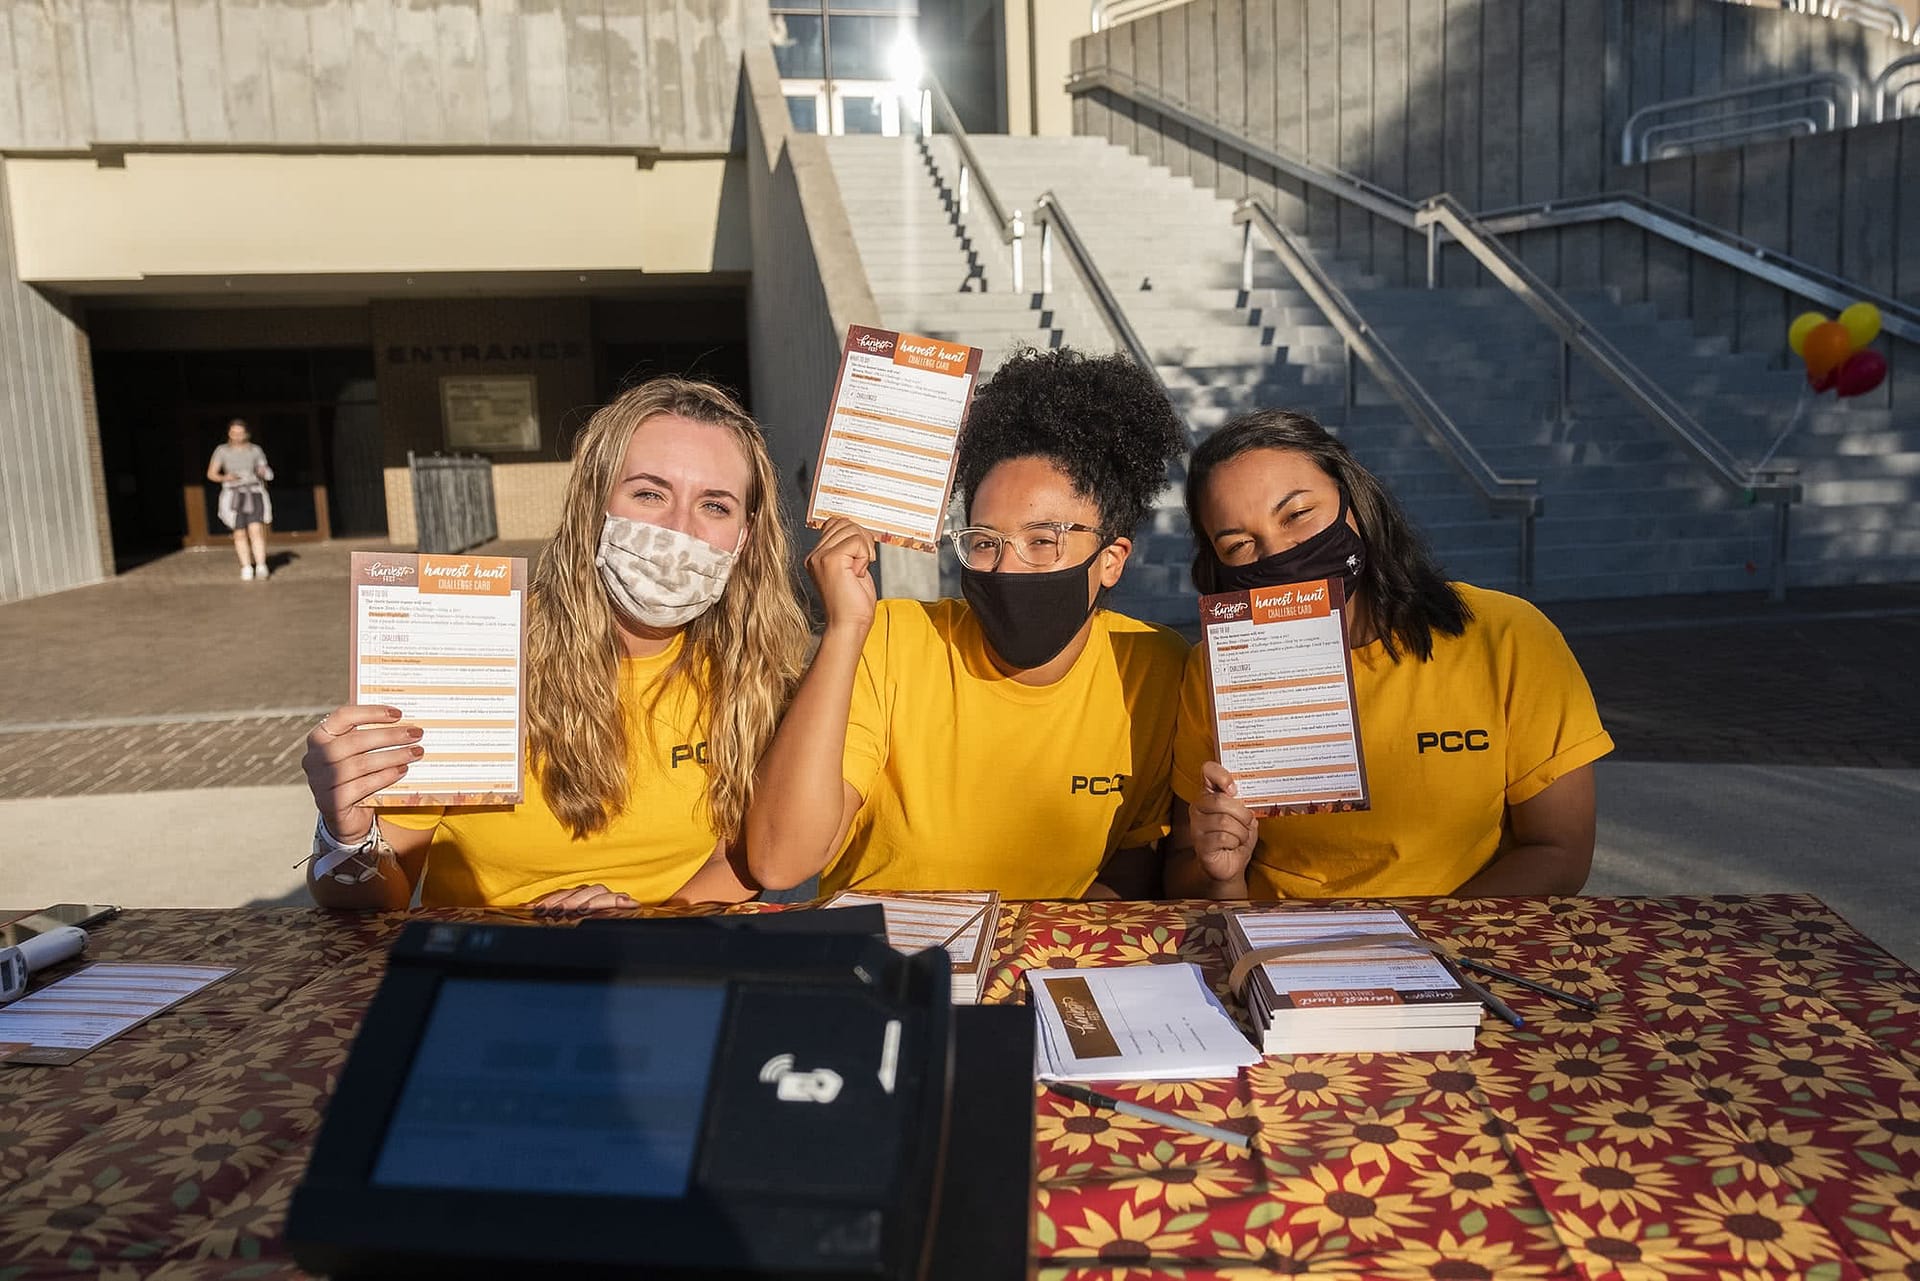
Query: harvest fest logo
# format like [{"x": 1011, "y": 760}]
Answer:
[
  {"x": 1087, "y": 1031},
  {"x": 381, "y": 571},
  {"x": 874, "y": 343},
  {"x": 1224, "y": 611}
]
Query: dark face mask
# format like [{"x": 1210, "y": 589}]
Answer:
[
  {"x": 1029, "y": 618},
  {"x": 1334, "y": 552}
]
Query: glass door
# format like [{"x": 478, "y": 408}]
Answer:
[{"x": 846, "y": 65}]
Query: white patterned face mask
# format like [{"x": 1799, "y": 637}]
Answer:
[{"x": 660, "y": 576}]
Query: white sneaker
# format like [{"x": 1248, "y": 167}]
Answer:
[
  {"x": 261, "y": 570},
  {"x": 246, "y": 571}
]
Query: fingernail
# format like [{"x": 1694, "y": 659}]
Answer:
[
  {"x": 417, "y": 752},
  {"x": 393, "y": 713},
  {"x": 416, "y": 732}
]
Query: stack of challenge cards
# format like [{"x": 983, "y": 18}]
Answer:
[
  {"x": 1353, "y": 988},
  {"x": 962, "y": 922}
]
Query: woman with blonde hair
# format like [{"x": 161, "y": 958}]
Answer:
[{"x": 664, "y": 639}]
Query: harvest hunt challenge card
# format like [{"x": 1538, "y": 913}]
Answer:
[
  {"x": 1283, "y": 707},
  {"x": 886, "y": 459},
  {"x": 443, "y": 639}
]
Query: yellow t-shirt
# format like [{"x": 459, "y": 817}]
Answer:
[
  {"x": 973, "y": 781},
  {"x": 1495, "y": 716},
  {"x": 506, "y": 855}
]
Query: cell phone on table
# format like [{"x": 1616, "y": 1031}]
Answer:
[{"x": 52, "y": 918}]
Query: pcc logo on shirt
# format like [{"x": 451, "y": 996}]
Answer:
[
  {"x": 685, "y": 752},
  {"x": 1098, "y": 784},
  {"x": 1451, "y": 740}
]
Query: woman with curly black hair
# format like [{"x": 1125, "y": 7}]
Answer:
[
  {"x": 1019, "y": 739},
  {"x": 1479, "y": 730}
]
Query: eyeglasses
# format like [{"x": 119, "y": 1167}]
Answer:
[{"x": 1041, "y": 545}]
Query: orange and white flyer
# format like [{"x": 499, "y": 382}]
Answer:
[
  {"x": 443, "y": 638},
  {"x": 886, "y": 458},
  {"x": 1283, "y": 706}
]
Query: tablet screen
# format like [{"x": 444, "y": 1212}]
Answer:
[{"x": 539, "y": 1085}]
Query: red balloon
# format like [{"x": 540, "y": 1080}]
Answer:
[
  {"x": 1823, "y": 382},
  {"x": 1862, "y": 372},
  {"x": 1826, "y": 348}
]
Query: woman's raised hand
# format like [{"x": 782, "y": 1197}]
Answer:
[
  {"x": 841, "y": 566},
  {"x": 1224, "y": 829},
  {"x": 352, "y": 753}
]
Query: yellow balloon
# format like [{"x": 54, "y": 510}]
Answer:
[
  {"x": 1803, "y": 324},
  {"x": 1862, "y": 323}
]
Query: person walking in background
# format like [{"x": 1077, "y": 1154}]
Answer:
[{"x": 241, "y": 468}]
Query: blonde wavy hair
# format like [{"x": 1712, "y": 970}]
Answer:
[{"x": 744, "y": 656}]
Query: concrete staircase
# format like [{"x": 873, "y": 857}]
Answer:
[{"x": 1627, "y": 512}]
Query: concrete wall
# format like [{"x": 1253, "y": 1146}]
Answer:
[
  {"x": 1499, "y": 102},
  {"x": 53, "y": 531},
  {"x": 808, "y": 285},
  {"x": 1038, "y": 37},
  {"x": 81, "y": 225},
  {"x": 76, "y": 74}
]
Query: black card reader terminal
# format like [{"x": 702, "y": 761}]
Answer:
[{"x": 668, "y": 1101}]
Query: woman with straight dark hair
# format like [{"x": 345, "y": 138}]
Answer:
[{"x": 1478, "y": 728}]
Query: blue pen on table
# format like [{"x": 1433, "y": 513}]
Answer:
[
  {"x": 1506, "y": 976},
  {"x": 1491, "y": 1001},
  {"x": 1095, "y": 1099}
]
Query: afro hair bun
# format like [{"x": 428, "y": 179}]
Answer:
[{"x": 1102, "y": 420}]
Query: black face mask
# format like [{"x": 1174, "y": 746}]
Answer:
[
  {"x": 1334, "y": 552},
  {"x": 1029, "y": 618}
]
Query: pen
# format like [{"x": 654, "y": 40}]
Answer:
[
  {"x": 1094, "y": 1099},
  {"x": 1541, "y": 988},
  {"x": 1493, "y": 1002}
]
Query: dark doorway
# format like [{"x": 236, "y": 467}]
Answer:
[{"x": 161, "y": 413}]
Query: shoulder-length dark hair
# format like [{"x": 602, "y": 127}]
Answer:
[{"x": 1407, "y": 598}]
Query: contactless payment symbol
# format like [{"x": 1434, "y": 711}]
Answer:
[{"x": 821, "y": 1085}]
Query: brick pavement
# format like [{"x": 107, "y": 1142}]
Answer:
[{"x": 179, "y": 675}]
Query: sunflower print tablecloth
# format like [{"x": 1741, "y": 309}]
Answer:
[{"x": 1746, "y": 1103}]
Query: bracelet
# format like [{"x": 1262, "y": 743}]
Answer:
[{"x": 330, "y": 853}]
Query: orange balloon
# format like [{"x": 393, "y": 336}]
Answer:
[{"x": 1825, "y": 348}]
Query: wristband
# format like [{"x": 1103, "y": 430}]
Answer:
[{"x": 329, "y": 852}]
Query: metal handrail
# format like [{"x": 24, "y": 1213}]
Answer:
[
  {"x": 1503, "y": 494},
  {"x": 1443, "y": 213},
  {"x": 1884, "y": 79},
  {"x": 1771, "y": 485},
  {"x": 1848, "y": 86},
  {"x": 1689, "y": 137},
  {"x": 971, "y": 174},
  {"x": 1750, "y": 257},
  {"x": 1051, "y": 215},
  {"x": 1877, "y": 14},
  {"x": 1902, "y": 320},
  {"x": 1012, "y": 227}
]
